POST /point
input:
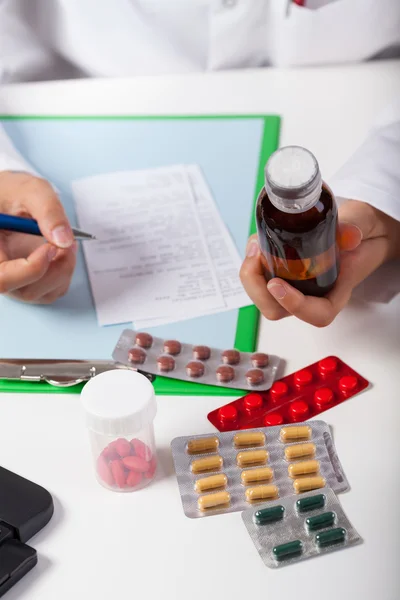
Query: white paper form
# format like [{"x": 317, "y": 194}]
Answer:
[
  {"x": 150, "y": 257},
  {"x": 224, "y": 254}
]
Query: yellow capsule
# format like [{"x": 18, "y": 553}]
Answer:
[
  {"x": 252, "y": 457},
  {"x": 308, "y": 467},
  {"x": 213, "y": 482},
  {"x": 208, "y": 463},
  {"x": 248, "y": 439},
  {"x": 308, "y": 483},
  {"x": 295, "y": 434},
  {"x": 261, "y": 492},
  {"x": 218, "y": 500},
  {"x": 300, "y": 451},
  {"x": 256, "y": 475},
  {"x": 201, "y": 445}
]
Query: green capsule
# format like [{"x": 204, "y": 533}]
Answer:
[
  {"x": 330, "y": 537},
  {"x": 289, "y": 550},
  {"x": 269, "y": 515},
  {"x": 310, "y": 503},
  {"x": 320, "y": 521}
]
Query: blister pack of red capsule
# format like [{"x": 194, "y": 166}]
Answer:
[{"x": 296, "y": 397}]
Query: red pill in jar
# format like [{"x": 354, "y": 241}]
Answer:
[
  {"x": 136, "y": 356},
  {"x": 201, "y": 352},
  {"x": 165, "y": 363},
  {"x": 104, "y": 471},
  {"x": 298, "y": 410},
  {"x": 227, "y": 414},
  {"x": 133, "y": 479},
  {"x": 195, "y": 369},
  {"x": 323, "y": 397},
  {"x": 327, "y": 365},
  {"x": 230, "y": 357},
  {"x": 141, "y": 449},
  {"x": 144, "y": 340},
  {"x": 273, "y": 419},
  {"x": 118, "y": 471},
  {"x": 136, "y": 463},
  {"x": 255, "y": 377},
  {"x": 172, "y": 347},
  {"x": 109, "y": 452},
  {"x": 260, "y": 360},
  {"x": 348, "y": 383},
  {"x": 225, "y": 374},
  {"x": 303, "y": 377},
  {"x": 253, "y": 402},
  {"x": 278, "y": 390},
  {"x": 122, "y": 447}
]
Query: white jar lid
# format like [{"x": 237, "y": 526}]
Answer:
[{"x": 119, "y": 402}]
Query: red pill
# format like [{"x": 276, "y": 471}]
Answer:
[
  {"x": 136, "y": 463},
  {"x": 227, "y": 414},
  {"x": 144, "y": 340},
  {"x": 195, "y": 369},
  {"x": 201, "y": 352},
  {"x": 323, "y": 397},
  {"x": 165, "y": 363},
  {"x": 152, "y": 468},
  {"x": 141, "y": 449},
  {"x": 172, "y": 347},
  {"x": 133, "y": 479},
  {"x": 123, "y": 447},
  {"x": 273, "y": 419},
  {"x": 118, "y": 471},
  {"x": 278, "y": 390},
  {"x": 104, "y": 471},
  {"x": 225, "y": 373},
  {"x": 110, "y": 453},
  {"x": 260, "y": 360},
  {"x": 136, "y": 356},
  {"x": 303, "y": 377},
  {"x": 253, "y": 402},
  {"x": 327, "y": 365},
  {"x": 348, "y": 383},
  {"x": 230, "y": 357},
  {"x": 298, "y": 410}
]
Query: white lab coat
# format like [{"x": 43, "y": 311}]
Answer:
[{"x": 56, "y": 39}]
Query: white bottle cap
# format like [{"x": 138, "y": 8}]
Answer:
[
  {"x": 293, "y": 179},
  {"x": 119, "y": 402}
]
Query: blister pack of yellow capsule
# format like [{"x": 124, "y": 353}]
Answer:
[
  {"x": 230, "y": 471},
  {"x": 292, "y": 529}
]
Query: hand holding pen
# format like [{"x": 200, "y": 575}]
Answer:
[{"x": 31, "y": 269}]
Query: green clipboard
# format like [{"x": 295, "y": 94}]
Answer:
[{"x": 248, "y": 317}]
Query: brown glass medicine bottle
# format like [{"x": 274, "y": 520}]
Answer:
[{"x": 297, "y": 223}]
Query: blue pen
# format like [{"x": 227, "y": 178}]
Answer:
[{"x": 21, "y": 225}]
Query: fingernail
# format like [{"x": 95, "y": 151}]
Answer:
[
  {"x": 62, "y": 236},
  {"x": 51, "y": 253},
  {"x": 252, "y": 249},
  {"x": 277, "y": 290}
]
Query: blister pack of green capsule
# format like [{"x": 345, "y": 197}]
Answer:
[{"x": 292, "y": 529}]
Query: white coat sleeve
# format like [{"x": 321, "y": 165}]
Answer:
[
  {"x": 22, "y": 57},
  {"x": 372, "y": 174}
]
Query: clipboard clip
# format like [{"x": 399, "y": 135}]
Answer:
[{"x": 60, "y": 372}]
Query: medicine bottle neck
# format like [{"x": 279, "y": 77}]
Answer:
[{"x": 297, "y": 204}]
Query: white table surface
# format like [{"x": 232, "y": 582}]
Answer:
[{"x": 104, "y": 545}]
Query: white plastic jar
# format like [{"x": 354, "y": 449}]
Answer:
[{"x": 120, "y": 407}]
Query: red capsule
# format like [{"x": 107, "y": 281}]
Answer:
[
  {"x": 104, "y": 471},
  {"x": 327, "y": 365},
  {"x": 110, "y": 453},
  {"x": 118, "y": 471},
  {"x": 135, "y": 463},
  {"x": 278, "y": 390},
  {"x": 141, "y": 449},
  {"x": 133, "y": 479},
  {"x": 227, "y": 414},
  {"x": 253, "y": 402},
  {"x": 273, "y": 419},
  {"x": 298, "y": 410},
  {"x": 123, "y": 447},
  {"x": 323, "y": 397},
  {"x": 348, "y": 383},
  {"x": 303, "y": 377}
]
